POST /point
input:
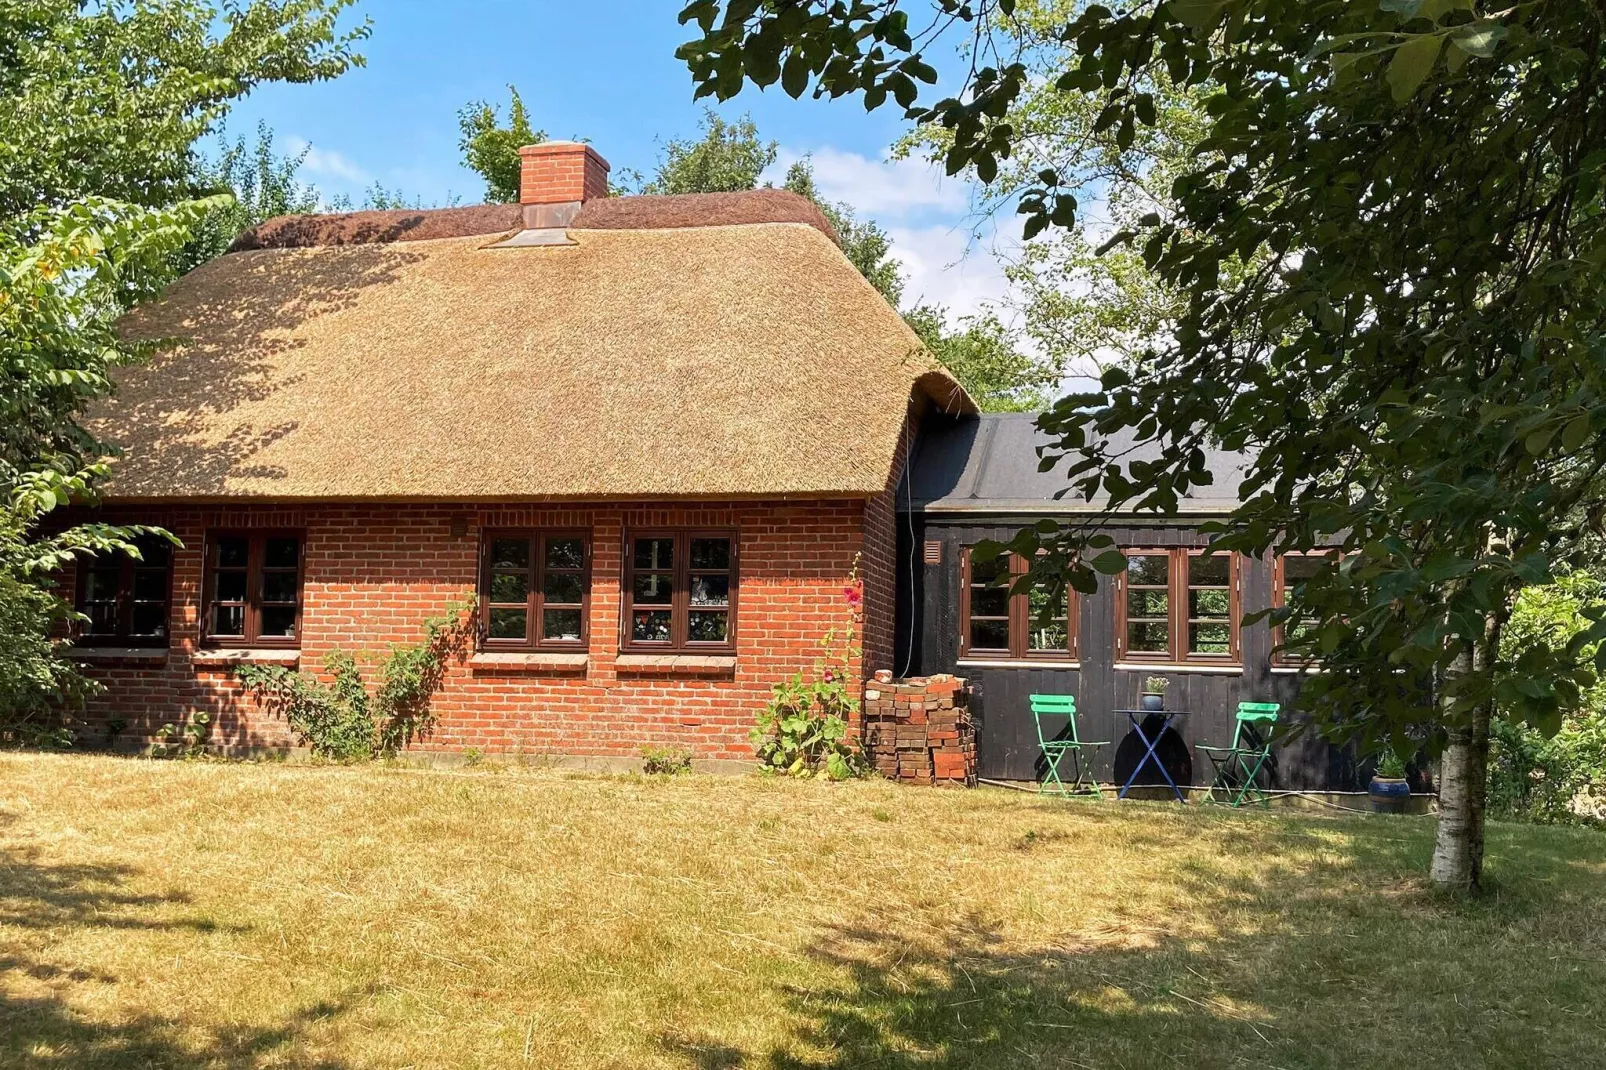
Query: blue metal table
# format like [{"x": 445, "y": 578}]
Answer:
[{"x": 1137, "y": 717}]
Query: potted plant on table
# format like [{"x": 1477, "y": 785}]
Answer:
[
  {"x": 1153, "y": 697},
  {"x": 1389, "y": 790}
]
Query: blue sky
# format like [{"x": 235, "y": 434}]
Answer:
[{"x": 603, "y": 70}]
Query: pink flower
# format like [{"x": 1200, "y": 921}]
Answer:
[
  {"x": 853, "y": 595},
  {"x": 829, "y": 676}
]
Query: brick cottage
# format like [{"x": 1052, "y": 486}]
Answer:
[{"x": 655, "y": 435}]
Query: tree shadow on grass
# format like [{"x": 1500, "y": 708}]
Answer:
[
  {"x": 41, "y": 1028},
  {"x": 1344, "y": 958}
]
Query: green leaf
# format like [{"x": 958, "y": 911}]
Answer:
[
  {"x": 1200, "y": 16},
  {"x": 1413, "y": 62},
  {"x": 1479, "y": 39},
  {"x": 1576, "y": 433},
  {"x": 1110, "y": 562}
]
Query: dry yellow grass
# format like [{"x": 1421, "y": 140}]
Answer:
[{"x": 209, "y": 915}]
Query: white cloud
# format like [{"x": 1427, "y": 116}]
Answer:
[
  {"x": 327, "y": 162},
  {"x": 882, "y": 189},
  {"x": 942, "y": 265}
]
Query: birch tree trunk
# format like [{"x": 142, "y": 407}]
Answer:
[{"x": 1463, "y": 790}]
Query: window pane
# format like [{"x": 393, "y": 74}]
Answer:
[
  {"x": 233, "y": 552},
  {"x": 1048, "y": 637},
  {"x": 150, "y": 621},
  {"x": 100, "y": 584},
  {"x": 228, "y": 620},
  {"x": 150, "y": 585},
  {"x": 655, "y": 553},
  {"x": 710, "y": 590},
  {"x": 1148, "y": 638},
  {"x": 989, "y": 635},
  {"x": 650, "y": 626},
  {"x": 987, "y": 571},
  {"x": 563, "y": 587},
  {"x": 560, "y": 624},
  {"x": 153, "y": 553},
  {"x": 282, "y": 553},
  {"x": 989, "y": 601},
  {"x": 1147, "y": 604},
  {"x": 708, "y": 626},
  {"x": 510, "y": 553},
  {"x": 278, "y": 586},
  {"x": 1212, "y": 571},
  {"x": 653, "y": 589},
  {"x": 102, "y": 619},
  {"x": 510, "y": 587},
  {"x": 1209, "y": 639},
  {"x": 711, "y": 553},
  {"x": 1148, "y": 569},
  {"x": 1209, "y": 604},
  {"x": 230, "y": 587},
  {"x": 1300, "y": 567},
  {"x": 509, "y": 623},
  {"x": 565, "y": 553},
  {"x": 279, "y": 621},
  {"x": 1039, "y": 598}
]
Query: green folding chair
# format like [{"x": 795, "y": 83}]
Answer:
[
  {"x": 1056, "y": 745},
  {"x": 1237, "y": 769}
]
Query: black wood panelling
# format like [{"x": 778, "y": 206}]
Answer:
[{"x": 928, "y": 642}]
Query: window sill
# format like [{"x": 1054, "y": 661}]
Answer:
[
  {"x": 1295, "y": 670},
  {"x": 533, "y": 660},
  {"x": 1016, "y": 663},
  {"x": 1163, "y": 667},
  {"x": 674, "y": 664},
  {"x": 118, "y": 653},
  {"x": 223, "y": 659}
]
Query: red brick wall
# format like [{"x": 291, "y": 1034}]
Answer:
[
  {"x": 879, "y": 565},
  {"x": 374, "y": 573}
]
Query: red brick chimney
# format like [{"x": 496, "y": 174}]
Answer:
[{"x": 561, "y": 172}]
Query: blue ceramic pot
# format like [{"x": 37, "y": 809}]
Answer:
[
  {"x": 1388, "y": 794},
  {"x": 1152, "y": 703}
]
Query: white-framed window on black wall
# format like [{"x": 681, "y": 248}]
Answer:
[
  {"x": 1179, "y": 606},
  {"x": 998, "y": 622}
]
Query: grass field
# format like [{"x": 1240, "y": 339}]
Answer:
[{"x": 208, "y": 915}]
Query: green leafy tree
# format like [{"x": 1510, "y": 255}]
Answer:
[
  {"x": 492, "y": 150},
  {"x": 108, "y": 99},
  {"x": 727, "y": 158},
  {"x": 65, "y": 275},
  {"x": 1413, "y": 354},
  {"x": 984, "y": 355},
  {"x": 100, "y": 107},
  {"x": 261, "y": 183}
]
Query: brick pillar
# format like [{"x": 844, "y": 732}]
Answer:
[{"x": 919, "y": 730}]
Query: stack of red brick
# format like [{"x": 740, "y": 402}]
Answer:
[{"x": 919, "y": 730}]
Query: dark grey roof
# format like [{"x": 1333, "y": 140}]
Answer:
[{"x": 988, "y": 464}]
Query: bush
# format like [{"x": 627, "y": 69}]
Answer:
[
  {"x": 669, "y": 761},
  {"x": 1552, "y": 773},
  {"x": 339, "y": 720},
  {"x": 803, "y": 731}
]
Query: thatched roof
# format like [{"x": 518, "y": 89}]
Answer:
[
  {"x": 605, "y": 213},
  {"x": 705, "y": 362}
]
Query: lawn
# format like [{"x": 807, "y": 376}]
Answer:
[{"x": 227, "y": 915}]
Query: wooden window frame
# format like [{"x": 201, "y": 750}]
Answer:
[
  {"x": 535, "y": 598},
  {"x": 1177, "y": 616},
  {"x": 257, "y": 541},
  {"x": 123, "y": 636},
  {"x": 1020, "y": 619},
  {"x": 1279, "y": 598},
  {"x": 680, "y": 605}
]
